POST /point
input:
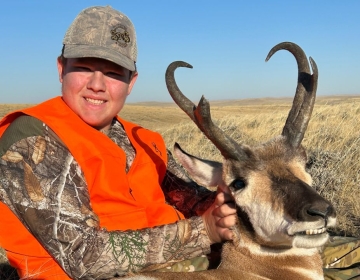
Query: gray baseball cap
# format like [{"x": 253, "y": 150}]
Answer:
[{"x": 102, "y": 32}]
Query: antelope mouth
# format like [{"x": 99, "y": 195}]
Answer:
[
  {"x": 307, "y": 232},
  {"x": 310, "y": 238}
]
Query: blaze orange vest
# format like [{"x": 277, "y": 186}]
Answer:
[{"x": 132, "y": 200}]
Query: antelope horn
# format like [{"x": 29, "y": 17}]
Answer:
[
  {"x": 303, "y": 104},
  {"x": 201, "y": 116}
]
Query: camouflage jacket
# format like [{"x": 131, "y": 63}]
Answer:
[
  {"x": 341, "y": 258},
  {"x": 82, "y": 249}
]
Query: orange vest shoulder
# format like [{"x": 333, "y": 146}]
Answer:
[{"x": 121, "y": 200}]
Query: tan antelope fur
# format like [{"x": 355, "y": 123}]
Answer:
[{"x": 282, "y": 221}]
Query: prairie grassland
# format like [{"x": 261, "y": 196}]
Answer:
[{"x": 332, "y": 140}]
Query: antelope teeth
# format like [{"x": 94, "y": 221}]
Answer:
[{"x": 315, "y": 231}]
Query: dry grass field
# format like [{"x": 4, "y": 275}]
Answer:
[{"x": 332, "y": 140}]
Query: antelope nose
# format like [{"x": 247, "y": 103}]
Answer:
[
  {"x": 318, "y": 212},
  {"x": 323, "y": 211},
  {"x": 314, "y": 212}
]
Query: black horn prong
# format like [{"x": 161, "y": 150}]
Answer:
[
  {"x": 303, "y": 103},
  {"x": 181, "y": 100},
  {"x": 201, "y": 116}
]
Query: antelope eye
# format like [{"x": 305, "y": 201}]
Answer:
[{"x": 238, "y": 184}]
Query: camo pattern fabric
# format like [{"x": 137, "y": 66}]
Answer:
[
  {"x": 43, "y": 185},
  {"x": 194, "y": 264},
  {"x": 341, "y": 258}
]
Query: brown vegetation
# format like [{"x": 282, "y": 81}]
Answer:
[{"x": 332, "y": 140}]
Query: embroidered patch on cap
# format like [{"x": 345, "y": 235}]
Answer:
[{"x": 120, "y": 35}]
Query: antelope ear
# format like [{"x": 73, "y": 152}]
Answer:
[{"x": 206, "y": 173}]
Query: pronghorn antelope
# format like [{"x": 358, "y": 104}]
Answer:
[{"x": 282, "y": 220}]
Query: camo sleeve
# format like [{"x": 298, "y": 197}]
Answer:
[
  {"x": 341, "y": 258},
  {"x": 44, "y": 186}
]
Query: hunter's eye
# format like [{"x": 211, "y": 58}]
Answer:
[{"x": 238, "y": 184}]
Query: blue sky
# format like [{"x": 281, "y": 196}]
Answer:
[{"x": 226, "y": 42}]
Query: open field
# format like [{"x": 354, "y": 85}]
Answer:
[{"x": 332, "y": 140}]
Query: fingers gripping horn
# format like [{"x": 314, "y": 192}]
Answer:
[
  {"x": 201, "y": 116},
  {"x": 303, "y": 104}
]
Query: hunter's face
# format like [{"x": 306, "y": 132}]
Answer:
[{"x": 95, "y": 89}]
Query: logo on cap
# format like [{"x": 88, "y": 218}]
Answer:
[{"x": 120, "y": 35}]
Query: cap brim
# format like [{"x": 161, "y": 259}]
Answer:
[{"x": 76, "y": 51}]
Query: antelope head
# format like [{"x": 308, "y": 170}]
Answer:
[{"x": 277, "y": 207}]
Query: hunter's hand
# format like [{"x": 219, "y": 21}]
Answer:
[{"x": 220, "y": 218}]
